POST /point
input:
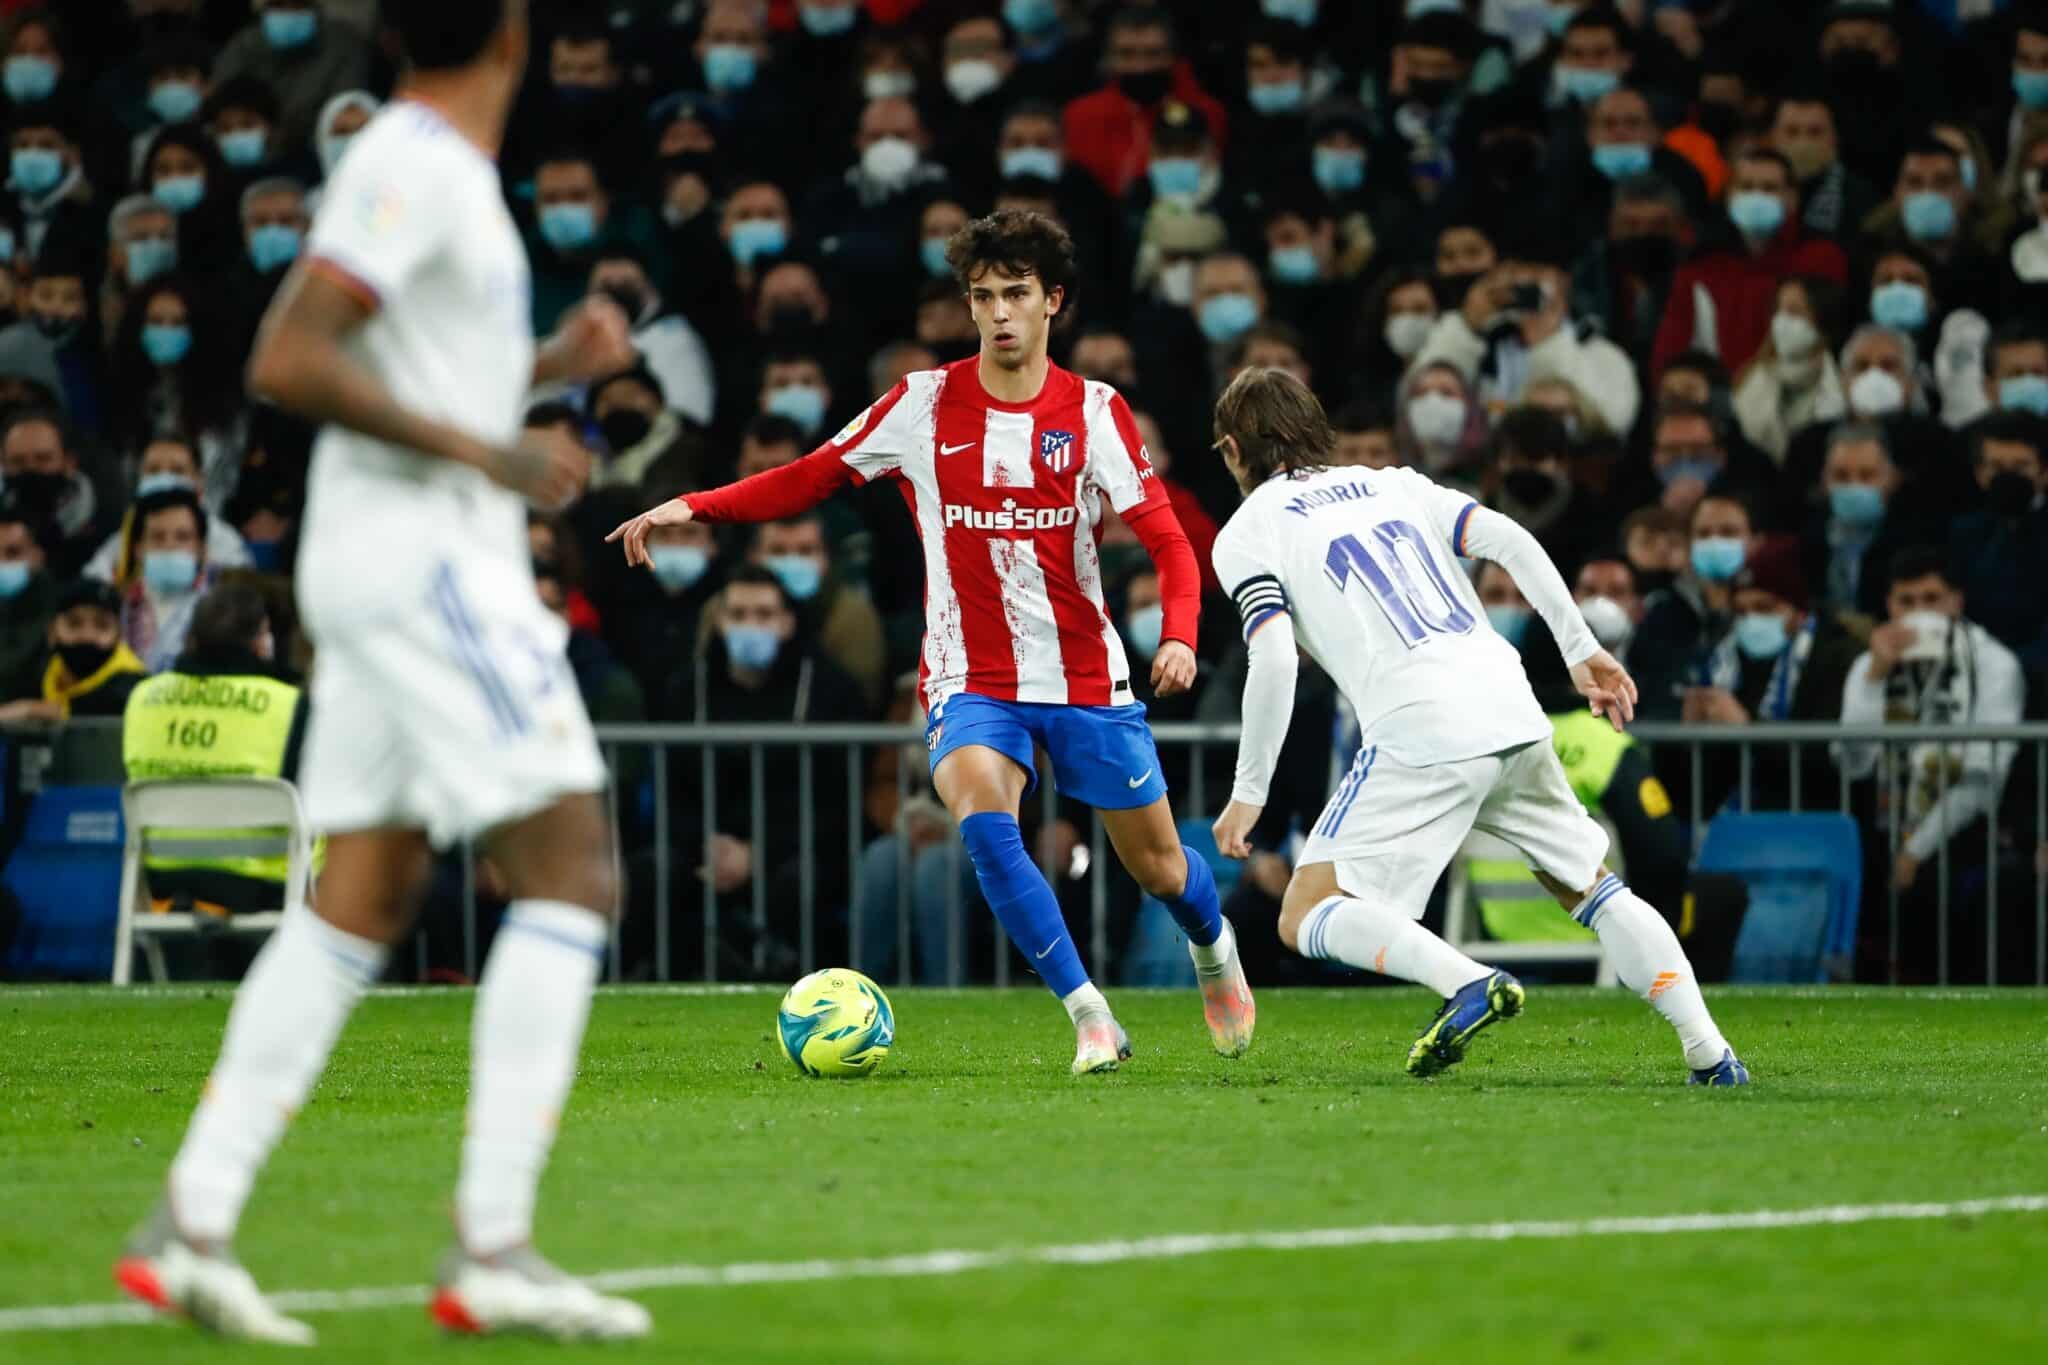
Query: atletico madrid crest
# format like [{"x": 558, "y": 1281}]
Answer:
[{"x": 1056, "y": 448}]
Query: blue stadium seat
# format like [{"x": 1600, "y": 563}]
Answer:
[
  {"x": 1805, "y": 879},
  {"x": 1158, "y": 954},
  {"x": 67, "y": 876}
]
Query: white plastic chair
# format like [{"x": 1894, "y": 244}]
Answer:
[
  {"x": 1461, "y": 933},
  {"x": 212, "y": 817}
]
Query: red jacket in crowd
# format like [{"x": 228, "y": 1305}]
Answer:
[
  {"x": 1744, "y": 291},
  {"x": 1110, "y": 135}
]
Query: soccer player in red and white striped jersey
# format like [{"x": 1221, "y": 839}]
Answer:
[{"x": 1006, "y": 461}]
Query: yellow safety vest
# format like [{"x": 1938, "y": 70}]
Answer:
[
  {"x": 188, "y": 725},
  {"x": 1512, "y": 903}
]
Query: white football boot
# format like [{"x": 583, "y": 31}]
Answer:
[
  {"x": 1100, "y": 1043},
  {"x": 208, "y": 1286},
  {"x": 519, "y": 1291},
  {"x": 1227, "y": 1000}
]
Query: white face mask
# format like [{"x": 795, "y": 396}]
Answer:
[
  {"x": 970, "y": 80},
  {"x": 888, "y": 85},
  {"x": 1405, "y": 332},
  {"x": 1875, "y": 393},
  {"x": 1437, "y": 419},
  {"x": 1177, "y": 283},
  {"x": 890, "y": 160},
  {"x": 1930, "y": 635},
  {"x": 1793, "y": 336},
  {"x": 1608, "y": 620}
]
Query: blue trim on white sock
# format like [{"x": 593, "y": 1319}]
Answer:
[
  {"x": 1608, "y": 888},
  {"x": 1312, "y": 941},
  {"x": 513, "y": 920}
]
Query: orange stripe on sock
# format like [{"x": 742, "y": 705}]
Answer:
[{"x": 1664, "y": 982}]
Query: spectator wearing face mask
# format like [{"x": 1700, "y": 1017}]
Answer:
[
  {"x": 184, "y": 171},
  {"x": 1030, "y": 147},
  {"x": 28, "y": 597},
  {"x": 1393, "y": 323},
  {"x": 1780, "y": 660},
  {"x": 1931, "y": 665},
  {"x": 839, "y": 620},
  {"x": 1683, "y": 620},
  {"x": 868, "y": 213},
  {"x": 1513, "y": 326},
  {"x": 1307, "y": 286},
  {"x": 576, "y": 220},
  {"x": 673, "y": 350},
  {"x": 156, "y": 608},
  {"x": 1441, "y": 428},
  {"x": 275, "y": 221},
  {"x": 975, "y": 66},
  {"x": 1272, "y": 134},
  {"x": 1359, "y": 173},
  {"x": 341, "y": 118},
  {"x": 1624, "y": 139},
  {"x": 39, "y": 457},
  {"x": 1528, "y": 478},
  {"x": 1722, "y": 300},
  {"x": 1883, "y": 382},
  {"x": 241, "y": 116},
  {"x": 645, "y": 439},
  {"x": 2016, "y": 369},
  {"x": 46, "y": 174},
  {"x": 1793, "y": 382},
  {"x": 56, "y": 338},
  {"x": 175, "y": 369},
  {"x": 1863, "y": 524},
  {"x": 37, "y": 66},
  {"x": 168, "y": 463},
  {"x": 1605, "y": 589},
  {"x": 306, "y": 56},
  {"x": 88, "y": 671},
  {"x": 1183, "y": 178},
  {"x": 1624, "y": 277},
  {"x": 759, "y": 665},
  {"x": 653, "y": 622},
  {"x": 142, "y": 245},
  {"x": 1932, "y": 210},
  {"x": 1109, "y": 133},
  {"x": 1998, "y": 554}
]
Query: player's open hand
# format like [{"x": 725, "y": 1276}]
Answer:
[
  {"x": 1607, "y": 688},
  {"x": 1233, "y": 829},
  {"x": 546, "y": 466},
  {"x": 1173, "y": 669},
  {"x": 634, "y": 533}
]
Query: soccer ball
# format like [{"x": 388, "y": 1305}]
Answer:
[{"x": 836, "y": 1023}]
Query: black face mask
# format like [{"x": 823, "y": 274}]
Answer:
[
  {"x": 630, "y": 300},
  {"x": 703, "y": 165},
  {"x": 1856, "y": 69},
  {"x": 1450, "y": 290},
  {"x": 1431, "y": 92},
  {"x": 82, "y": 661},
  {"x": 1653, "y": 580},
  {"x": 2010, "y": 495},
  {"x": 1719, "y": 121},
  {"x": 1507, "y": 160},
  {"x": 624, "y": 428},
  {"x": 60, "y": 331},
  {"x": 1645, "y": 256},
  {"x": 1529, "y": 487},
  {"x": 1145, "y": 87},
  {"x": 39, "y": 493},
  {"x": 791, "y": 323}
]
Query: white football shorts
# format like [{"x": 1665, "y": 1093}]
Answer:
[
  {"x": 1391, "y": 830},
  {"x": 454, "y": 713}
]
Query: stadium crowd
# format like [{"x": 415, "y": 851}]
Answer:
[{"x": 1740, "y": 305}]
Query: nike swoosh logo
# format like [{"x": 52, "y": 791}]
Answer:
[
  {"x": 1049, "y": 947},
  {"x": 1139, "y": 780},
  {"x": 955, "y": 450}
]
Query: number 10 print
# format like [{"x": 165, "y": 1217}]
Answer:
[{"x": 1414, "y": 611}]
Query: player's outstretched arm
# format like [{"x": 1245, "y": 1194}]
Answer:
[
  {"x": 301, "y": 364},
  {"x": 772, "y": 495}
]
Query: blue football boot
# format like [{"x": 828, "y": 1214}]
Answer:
[
  {"x": 1728, "y": 1071},
  {"x": 1442, "y": 1045}
]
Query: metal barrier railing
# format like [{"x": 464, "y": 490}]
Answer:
[{"x": 649, "y": 839}]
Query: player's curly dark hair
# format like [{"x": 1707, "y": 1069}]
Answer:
[{"x": 1017, "y": 242}]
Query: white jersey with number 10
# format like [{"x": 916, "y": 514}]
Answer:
[{"x": 1365, "y": 561}]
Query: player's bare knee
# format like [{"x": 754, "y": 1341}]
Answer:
[{"x": 1162, "y": 872}]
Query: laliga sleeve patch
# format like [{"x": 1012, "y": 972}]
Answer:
[{"x": 852, "y": 429}]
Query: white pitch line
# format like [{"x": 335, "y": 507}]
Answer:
[{"x": 79, "y": 1316}]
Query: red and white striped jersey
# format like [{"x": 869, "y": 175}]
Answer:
[{"x": 1007, "y": 499}]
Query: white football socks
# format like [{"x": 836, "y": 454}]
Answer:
[
  {"x": 1084, "y": 999},
  {"x": 1385, "y": 941},
  {"x": 531, "y": 1006},
  {"x": 1211, "y": 958},
  {"x": 287, "y": 1014},
  {"x": 1649, "y": 962}
]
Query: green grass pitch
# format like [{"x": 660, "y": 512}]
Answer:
[{"x": 690, "y": 1140}]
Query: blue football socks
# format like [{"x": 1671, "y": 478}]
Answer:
[
  {"x": 1196, "y": 909},
  {"x": 1025, "y": 904}
]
